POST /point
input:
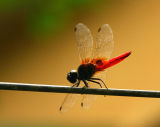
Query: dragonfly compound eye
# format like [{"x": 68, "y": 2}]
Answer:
[{"x": 72, "y": 76}]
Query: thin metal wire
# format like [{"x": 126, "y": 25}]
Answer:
[{"x": 78, "y": 90}]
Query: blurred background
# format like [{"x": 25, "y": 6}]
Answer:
[{"x": 38, "y": 45}]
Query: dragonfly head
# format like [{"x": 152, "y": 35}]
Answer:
[{"x": 72, "y": 76}]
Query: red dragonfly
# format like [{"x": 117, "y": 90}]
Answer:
[{"x": 95, "y": 59}]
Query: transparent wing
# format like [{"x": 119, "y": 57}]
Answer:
[
  {"x": 69, "y": 102},
  {"x": 102, "y": 49},
  {"x": 85, "y": 41},
  {"x": 104, "y": 43},
  {"x": 87, "y": 99}
]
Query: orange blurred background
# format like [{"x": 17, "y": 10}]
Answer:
[{"x": 38, "y": 45}]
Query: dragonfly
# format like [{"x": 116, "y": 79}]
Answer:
[{"x": 95, "y": 59}]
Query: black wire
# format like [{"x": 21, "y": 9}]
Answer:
[{"x": 78, "y": 90}]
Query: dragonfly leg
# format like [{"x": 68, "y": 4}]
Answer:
[
  {"x": 99, "y": 80},
  {"x": 77, "y": 84},
  {"x": 95, "y": 82},
  {"x": 73, "y": 85},
  {"x": 85, "y": 83},
  {"x": 84, "y": 88}
]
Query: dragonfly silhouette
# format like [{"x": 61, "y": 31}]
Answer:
[{"x": 94, "y": 62}]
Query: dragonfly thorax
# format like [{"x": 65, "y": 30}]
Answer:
[{"x": 86, "y": 71}]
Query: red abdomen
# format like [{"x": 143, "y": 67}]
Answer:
[{"x": 102, "y": 64}]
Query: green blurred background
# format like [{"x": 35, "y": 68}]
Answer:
[{"x": 38, "y": 45}]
